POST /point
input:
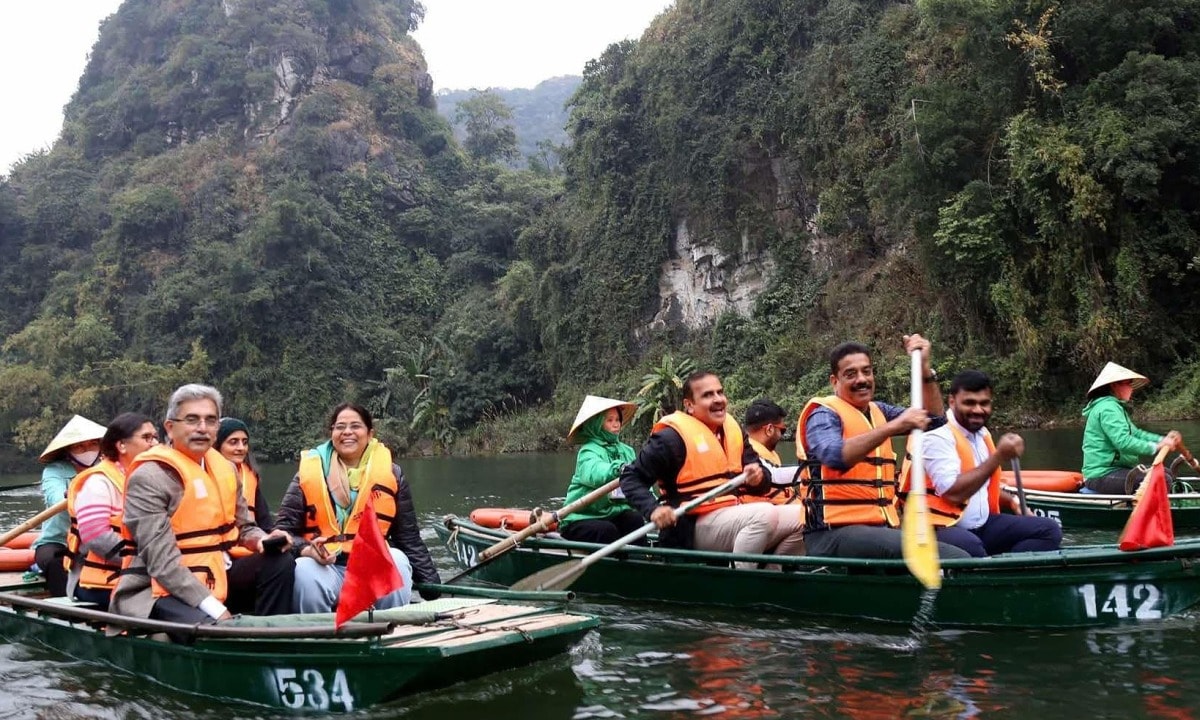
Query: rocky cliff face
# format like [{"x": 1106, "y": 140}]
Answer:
[{"x": 700, "y": 282}]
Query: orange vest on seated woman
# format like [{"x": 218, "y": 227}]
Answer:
[
  {"x": 379, "y": 489},
  {"x": 864, "y": 494},
  {"x": 249, "y": 480},
  {"x": 205, "y": 523},
  {"x": 942, "y": 512},
  {"x": 98, "y": 572},
  {"x": 709, "y": 462}
]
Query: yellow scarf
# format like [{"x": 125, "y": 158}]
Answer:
[{"x": 344, "y": 482}]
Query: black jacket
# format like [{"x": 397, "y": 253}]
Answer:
[{"x": 404, "y": 534}]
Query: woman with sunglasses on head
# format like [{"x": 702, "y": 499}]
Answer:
[
  {"x": 95, "y": 500},
  {"x": 75, "y": 448},
  {"x": 337, "y": 480}
]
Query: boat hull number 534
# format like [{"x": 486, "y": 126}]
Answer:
[
  {"x": 310, "y": 689},
  {"x": 1140, "y": 601}
]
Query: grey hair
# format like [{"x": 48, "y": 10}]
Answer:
[{"x": 190, "y": 392}]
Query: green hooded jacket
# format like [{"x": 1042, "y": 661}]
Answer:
[
  {"x": 600, "y": 459},
  {"x": 1110, "y": 439}
]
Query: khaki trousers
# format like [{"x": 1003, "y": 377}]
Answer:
[{"x": 751, "y": 528}]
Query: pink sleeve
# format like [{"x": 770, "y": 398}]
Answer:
[{"x": 96, "y": 503}]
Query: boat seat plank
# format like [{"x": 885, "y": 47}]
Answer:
[{"x": 491, "y": 631}]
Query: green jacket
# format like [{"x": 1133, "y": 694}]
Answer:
[
  {"x": 600, "y": 459},
  {"x": 1110, "y": 439}
]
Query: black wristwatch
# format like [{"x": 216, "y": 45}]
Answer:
[{"x": 931, "y": 377}]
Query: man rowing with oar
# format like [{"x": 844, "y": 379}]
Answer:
[
  {"x": 696, "y": 450},
  {"x": 850, "y": 502},
  {"x": 962, "y": 472}
]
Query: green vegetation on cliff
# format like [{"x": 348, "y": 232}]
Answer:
[{"x": 261, "y": 194}]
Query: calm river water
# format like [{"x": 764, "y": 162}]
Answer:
[{"x": 659, "y": 662}]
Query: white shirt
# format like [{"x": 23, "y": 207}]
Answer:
[{"x": 943, "y": 467}]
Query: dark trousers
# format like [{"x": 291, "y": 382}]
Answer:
[
  {"x": 607, "y": 530},
  {"x": 261, "y": 584},
  {"x": 49, "y": 559},
  {"x": 1005, "y": 533},
  {"x": 866, "y": 541},
  {"x": 97, "y": 597},
  {"x": 1122, "y": 481}
]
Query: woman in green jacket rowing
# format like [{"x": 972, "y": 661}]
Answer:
[
  {"x": 600, "y": 459},
  {"x": 1112, "y": 444}
]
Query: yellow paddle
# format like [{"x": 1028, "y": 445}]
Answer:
[{"x": 918, "y": 541}]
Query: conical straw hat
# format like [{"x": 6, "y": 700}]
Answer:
[
  {"x": 1112, "y": 373},
  {"x": 593, "y": 405},
  {"x": 78, "y": 429}
]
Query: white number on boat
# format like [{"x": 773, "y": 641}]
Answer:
[
  {"x": 1118, "y": 602},
  {"x": 1052, "y": 514},
  {"x": 466, "y": 553},
  {"x": 308, "y": 688}
]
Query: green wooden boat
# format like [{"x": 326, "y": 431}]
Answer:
[
  {"x": 1077, "y": 511},
  {"x": 1082, "y": 586},
  {"x": 298, "y": 662}
]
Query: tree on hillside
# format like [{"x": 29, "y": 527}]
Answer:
[{"x": 488, "y": 120}]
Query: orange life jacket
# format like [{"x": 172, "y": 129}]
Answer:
[
  {"x": 942, "y": 512},
  {"x": 778, "y": 494},
  {"x": 379, "y": 488},
  {"x": 98, "y": 572},
  {"x": 205, "y": 523},
  {"x": 864, "y": 494},
  {"x": 708, "y": 463},
  {"x": 249, "y": 480}
]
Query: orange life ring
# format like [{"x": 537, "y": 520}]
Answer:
[
  {"x": 1045, "y": 480},
  {"x": 15, "y": 560},
  {"x": 22, "y": 541},
  {"x": 502, "y": 518}
]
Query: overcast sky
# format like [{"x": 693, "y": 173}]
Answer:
[{"x": 467, "y": 43}]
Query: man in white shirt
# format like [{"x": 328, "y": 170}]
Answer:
[{"x": 962, "y": 467}]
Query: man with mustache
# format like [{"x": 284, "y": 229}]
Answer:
[
  {"x": 850, "y": 502},
  {"x": 184, "y": 510},
  {"x": 693, "y": 451},
  {"x": 962, "y": 471}
]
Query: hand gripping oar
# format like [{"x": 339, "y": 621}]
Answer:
[
  {"x": 1016, "y": 467},
  {"x": 562, "y": 575},
  {"x": 543, "y": 524},
  {"x": 918, "y": 542},
  {"x": 33, "y": 522}
]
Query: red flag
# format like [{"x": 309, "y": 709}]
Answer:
[
  {"x": 370, "y": 572},
  {"x": 1150, "y": 524}
]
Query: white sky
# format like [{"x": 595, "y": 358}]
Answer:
[{"x": 468, "y": 43}]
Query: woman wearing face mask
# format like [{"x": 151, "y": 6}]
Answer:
[
  {"x": 75, "y": 448},
  {"x": 95, "y": 499}
]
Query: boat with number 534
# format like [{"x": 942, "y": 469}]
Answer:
[
  {"x": 1080, "y": 586},
  {"x": 300, "y": 662}
]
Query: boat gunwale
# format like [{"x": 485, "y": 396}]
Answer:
[{"x": 1073, "y": 556}]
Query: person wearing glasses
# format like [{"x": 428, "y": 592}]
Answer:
[
  {"x": 75, "y": 448},
  {"x": 765, "y": 424},
  {"x": 335, "y": 482},
  {"x": 184, "y": 512},
  {"x": 94, "y": 501}
]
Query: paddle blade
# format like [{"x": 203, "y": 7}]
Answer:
[
  {"x": 555, "y": 577},
  {"x": 1150, "y": 524},
  {"x": 918, "y": 542}
]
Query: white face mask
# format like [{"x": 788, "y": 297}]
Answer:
[{"x": 86, "y": 459}]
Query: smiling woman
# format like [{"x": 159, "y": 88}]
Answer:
[{"x": 338, "y": 479}]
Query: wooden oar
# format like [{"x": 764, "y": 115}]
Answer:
[
  {"x": 33, "y": 522},
  {"x": 918, "y": 542},
  {"x": 544, "y": 523},
  {"x": 1016, "y": 468},
  {"x": 562, "y": 575}
]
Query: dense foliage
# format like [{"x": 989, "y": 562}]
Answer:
[{"x": 261, "y": 194}]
